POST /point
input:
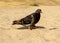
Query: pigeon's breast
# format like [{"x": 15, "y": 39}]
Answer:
[{"x": 36, "y": 18}]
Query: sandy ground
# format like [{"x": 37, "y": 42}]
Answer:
[
  {"x": 9, "y": 3},
  {"x": 50, "y": 20}
]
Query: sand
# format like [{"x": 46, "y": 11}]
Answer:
[
  {"x": 50, "y": 20},
  {"x": 9, "y": 3}
]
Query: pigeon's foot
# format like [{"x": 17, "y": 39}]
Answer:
[{"x": 32, "y": 27}]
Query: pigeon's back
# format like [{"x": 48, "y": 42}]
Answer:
[{"x": 26, "y": 20}]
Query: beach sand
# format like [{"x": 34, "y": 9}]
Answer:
[{"x": 49, "y": 31}]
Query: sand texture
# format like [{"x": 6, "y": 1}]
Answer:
[{"x": 47, "y": 32}]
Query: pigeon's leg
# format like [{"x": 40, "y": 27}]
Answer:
[{"x": 31, "y": 27}]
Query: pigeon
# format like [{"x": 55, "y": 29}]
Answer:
[{"x": 29, "y": 20}]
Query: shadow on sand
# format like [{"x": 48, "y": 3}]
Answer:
[
  {"x": 53, "y": 28},
  {"x": 37, "y": 27}
]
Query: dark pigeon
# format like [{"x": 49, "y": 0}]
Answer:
[{"x": 29, "y": 20}]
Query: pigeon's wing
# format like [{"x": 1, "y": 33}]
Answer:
[{"x": 29, "y": 19}]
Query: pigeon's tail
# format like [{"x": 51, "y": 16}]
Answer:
[{"x": 16, "y": 22}]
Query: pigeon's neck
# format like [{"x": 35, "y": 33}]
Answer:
[{"x": 38, "y": 12}]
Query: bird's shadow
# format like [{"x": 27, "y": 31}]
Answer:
[
  {"x": 37, "y": 27},
  {"x": 53, "y": 28}
]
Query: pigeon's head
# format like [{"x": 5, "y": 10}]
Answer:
[{"x": 38, "y": 11}]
